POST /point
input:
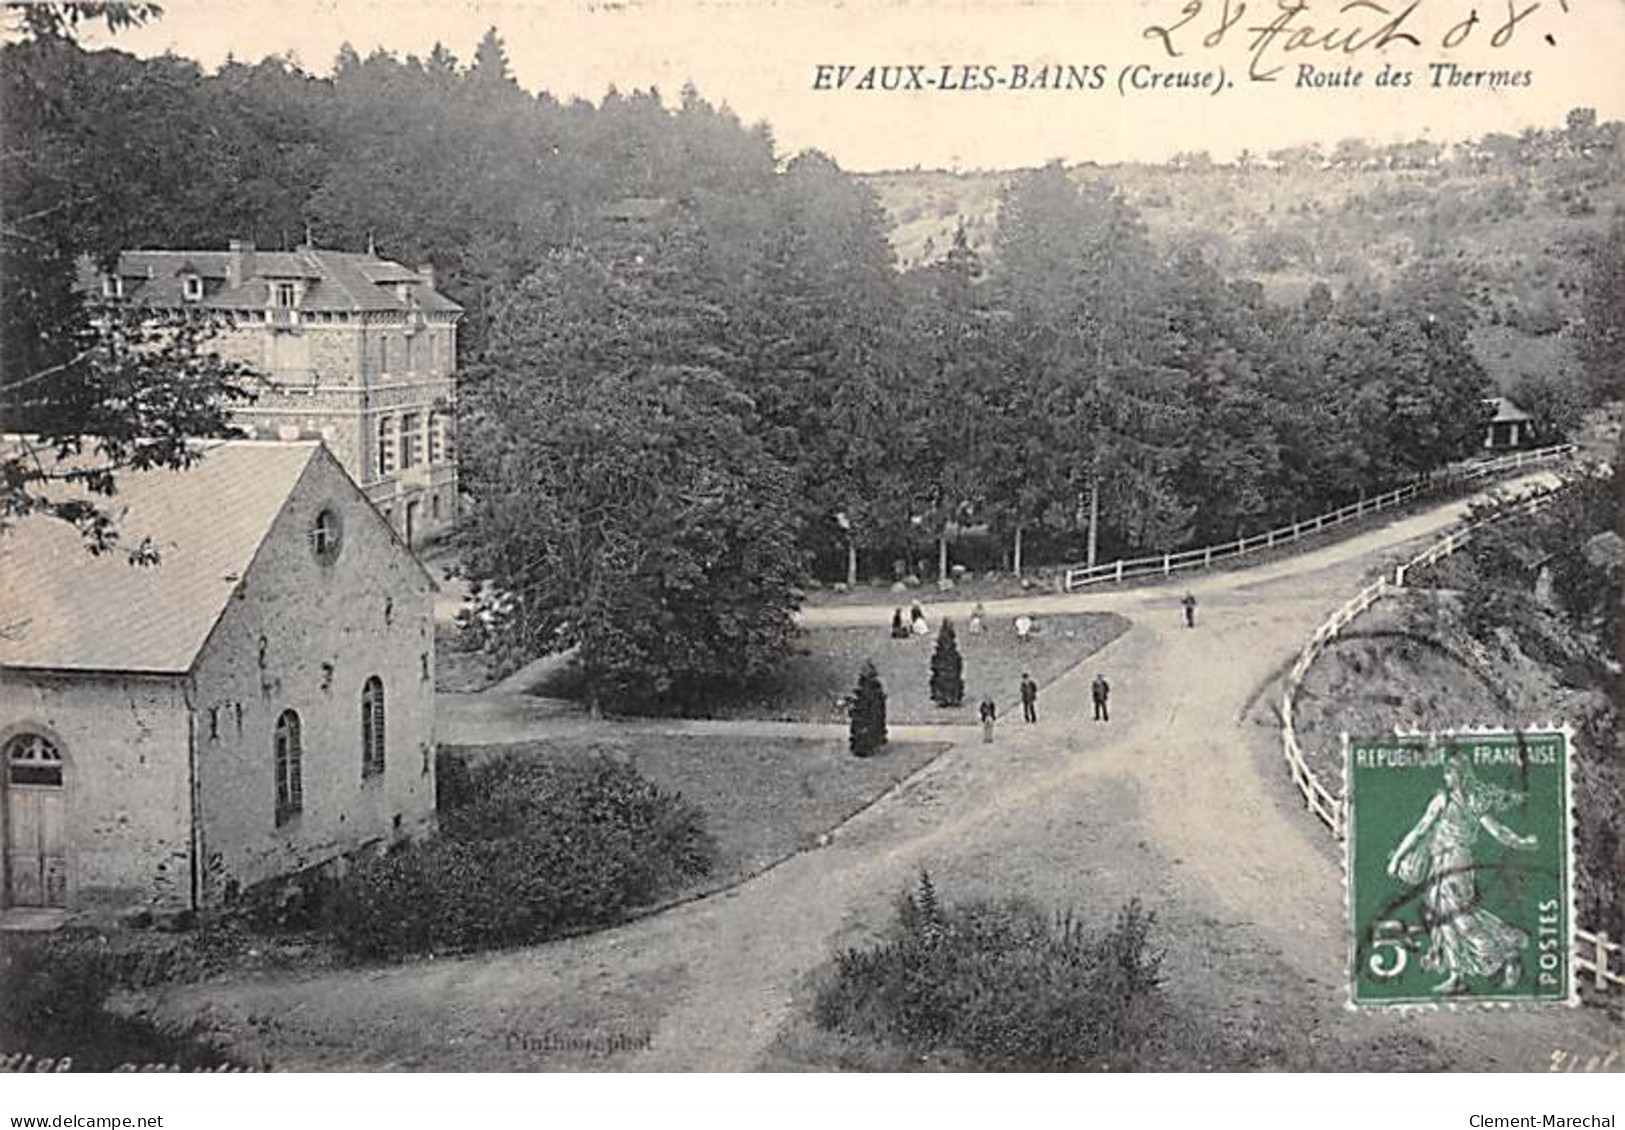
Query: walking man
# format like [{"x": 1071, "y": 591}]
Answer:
[
  {"x": 1100, "y": 690},
  {"x": 989, "y": 713},
  {"x": 1029, "y": 698},
  {"x": 1190, "y": 610}
]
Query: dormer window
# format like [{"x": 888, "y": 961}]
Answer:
[
  {"x": 112, "y": 286},
  {"x": 192, "y": 288},
  {"x": 284, "y": 295}
]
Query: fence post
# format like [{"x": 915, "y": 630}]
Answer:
[
  {"x": 1399, "y": 576},
  {"x": 1207, "y": 558},
  {"x": 1269, "y": 540},
  {"x": 1167, "y": 564},
  {"x": 1119, "y": 570},
  {"x": 1599, "y": 972}
]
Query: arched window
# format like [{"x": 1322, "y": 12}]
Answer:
[
  {"x": 290, "y": 788},
  {"x": 327, "y": 535},
  {"x": 372, "y": 728},
  {"x": 31, "y": 759}
]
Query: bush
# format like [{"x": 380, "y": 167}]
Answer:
[
  {"x": 539, "y": 849},
  {"x": 868, "y": 713},
  {"x": 947, "y": 668},
  {"x": 453, "y": 783},
  {"x": 53, "y": 1002},
  {"x": 1001, "y": 986}
]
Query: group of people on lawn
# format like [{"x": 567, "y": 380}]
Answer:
[{"x": 1099, "y": 690}]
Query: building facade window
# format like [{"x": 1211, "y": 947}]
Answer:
[
  {"x": 289, "y": 752},
  {"x": 372, "y": 728},
  {"x": 31, "y": 759},
  {"x": 386, "y": 445},
  {"x": 285, "y": 295},
  {"x": 437, "y": 437},
  {"x": 326, "y": 535},
  {"x": 411, "y": 450}
]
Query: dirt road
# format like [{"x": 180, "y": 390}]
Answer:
[{"x": 1180, "y": 800}]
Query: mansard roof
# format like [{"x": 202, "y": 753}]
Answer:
[{"x": 242, "y": 279}]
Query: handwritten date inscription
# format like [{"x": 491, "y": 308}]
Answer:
[{"x": 1274, "y": 33}]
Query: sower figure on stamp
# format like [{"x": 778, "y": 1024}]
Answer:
[
  {"x": 989, "y": 713},
  {"x": 1029, "y": 698},
  {"x": 1189, "y": 604},
  {"x": 1464, "y": 939},
  {"x": 1100, "y": 690}
]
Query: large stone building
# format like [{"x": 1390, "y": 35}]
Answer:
[
  {"x": 362, "y": 353},
  {"x": 258, "y": 702}
]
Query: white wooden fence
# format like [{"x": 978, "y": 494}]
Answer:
[
  {"x": 1166, "y": 564},
  {"x": 1594, "y": 953}
]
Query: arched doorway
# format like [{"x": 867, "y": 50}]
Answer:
[{"x": 36, "y": 863}]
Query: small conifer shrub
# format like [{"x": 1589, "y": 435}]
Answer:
[
  {"x": 947, "y": 668},
  {"x": 868, "y": 713}
]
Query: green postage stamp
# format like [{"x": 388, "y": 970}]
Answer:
[{"x": 1459, "y": 868}]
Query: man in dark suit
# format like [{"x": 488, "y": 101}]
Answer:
[{"x": 1029, "y": 698}]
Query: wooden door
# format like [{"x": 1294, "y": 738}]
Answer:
[{"x": 36, "y": 847}]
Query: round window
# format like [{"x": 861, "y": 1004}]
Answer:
[{"x": 327, "y": 535}]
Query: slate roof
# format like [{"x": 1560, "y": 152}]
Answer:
[
  {"x": 334, "y": 280},
  {"x": 79, "y": 612}
]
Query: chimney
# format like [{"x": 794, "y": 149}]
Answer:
[
  {"x": 240, "y": 266},
  {"x": 426, "y": 273}
]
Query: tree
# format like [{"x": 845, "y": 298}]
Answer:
[
  {"x": 867, "y": 713},
  {"x": 134, "y": 396},
  {"x": 821, "y": 315},
  {"x": 947, "y": 668},
  {"x": 1079, "y": 279},
  {"x": 490, "y": 65},
  {"x": 961, "y": 441},
  {"x": 1602, "y": 352},
  {"x": 95, "y": 388},
  {"x": 1602, "y": 335},
  {"x": 625, "y": 504},
  {"x": 45, "y": 19}
]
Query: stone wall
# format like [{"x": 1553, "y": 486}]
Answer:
[
  {"x": 305, "y": 636},
  {"x": 340, "y": 380},
  {"x": 126, "y": 802}
]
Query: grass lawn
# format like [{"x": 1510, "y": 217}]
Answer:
[
  {"x": 456, "y": 670},
  {"x": 764, "y": 798},
  {"x": 810, "y": 685}
]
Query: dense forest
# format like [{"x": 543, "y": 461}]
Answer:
[{"x": 694, "y": 374}]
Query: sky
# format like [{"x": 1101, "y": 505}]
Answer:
[{"x": 762, "y": 58}]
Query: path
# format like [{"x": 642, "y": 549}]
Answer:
[
  {"x": 493, "y": 717},
  {"x": 1181, "y": 800}
]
